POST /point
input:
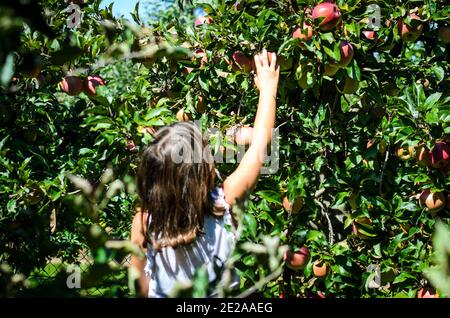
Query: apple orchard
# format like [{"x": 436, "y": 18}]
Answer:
[{"x": 363, "y": 115}]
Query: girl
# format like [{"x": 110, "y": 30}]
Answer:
[{"x": 184, "y": 221}]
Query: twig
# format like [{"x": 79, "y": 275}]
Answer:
[
  {"x": 386, "y": 158},
  {"x": 261, "y": 283},
  {"x": 319, "y": 192},
  {"x": 330, "y": 226}
]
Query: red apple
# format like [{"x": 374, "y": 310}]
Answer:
[
  {"x": 448, "y": 200},
  {"x": 297, "y": 260},
  {"x": 346, "y": 50},
  {"x": 304, "y": 33},
  {"x": 202, "y": 20},
  {"x": 293, "y": 207},
  {"x": 427, "y": 292},
  {"x": 434, "y": 201},
  {"x": 90, "y": 84},
  {"x": 444, "y": 34},
  {"x": 327, "y": 15},
  {"x": 320, "y": 268},
  {"x": 72, "y": 85},
  {"x": 440, "y": 155},
  {"x": 370, "y": 35},
  {"x": 241, "y": 62},
  {"x": 407, "y": 32}
]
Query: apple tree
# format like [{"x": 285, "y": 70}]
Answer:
[{"x": 363, "y": 135}]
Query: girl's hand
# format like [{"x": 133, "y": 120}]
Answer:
[{"x": 267, "y": 72}]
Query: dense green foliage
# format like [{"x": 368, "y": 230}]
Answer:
[{"x": 337, "y": 151}]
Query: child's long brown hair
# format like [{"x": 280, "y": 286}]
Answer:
[{"x": 175, "y": 177}]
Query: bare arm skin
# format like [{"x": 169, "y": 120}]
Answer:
[
  {"x": 244, "y": 178},
  {"x": 137, "y": 237}
]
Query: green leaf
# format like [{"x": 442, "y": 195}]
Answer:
[
  {"x": 404, "y": 276},
  {"x": 270, "y": 196},
  {"x": 438, "y": 72}
]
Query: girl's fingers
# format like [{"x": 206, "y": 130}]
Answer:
[
  {"x": 265, "y": 59},
  {"x": 273, "y": 65},
  {"x": 257, "y": 62}
]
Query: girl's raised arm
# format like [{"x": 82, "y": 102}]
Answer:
[{"x": 244, "y": 178}]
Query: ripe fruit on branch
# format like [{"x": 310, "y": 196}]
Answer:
[
  {"x": 297, "y": 260},
  {"x": 405, "y": 153},
  {"x": 183, "y": 116},
  {"x": 303, "y": 33},
  {"x": 327, "y": 15},
  {"x": 202, "y": 20},
  {"x": 434, "y": 201},
  {"x": 444, "y": 34},
  {"x": 410, "y": 33},
  {"x": 440, "y": 155},
  {"x": 321, "y": 268},
  {"x": 370, "y": 35},
  {"x": 90, "y": 84},
  {"x": 293, "y": 207},
  {"x": 242, "y": 62},
  {"x": 427, "y": 292},
  {"x": 423, "y": 156},
  {"x": 346, "y": 50},
  {"x": 72, "y": 85},
  {"x": 243, "y": 135}
]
